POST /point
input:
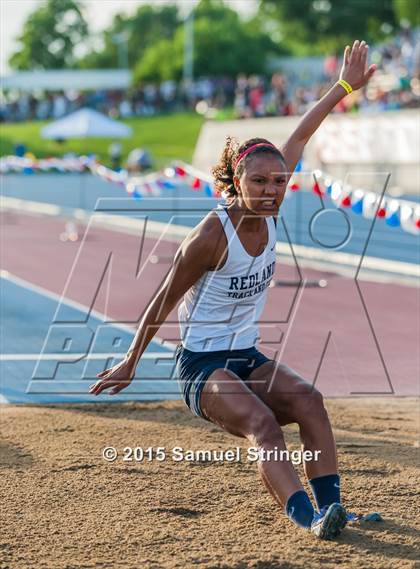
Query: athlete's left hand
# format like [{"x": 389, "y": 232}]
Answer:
[{"x": 355, "y": 69}]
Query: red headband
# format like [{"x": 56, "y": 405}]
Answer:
[{"x": 248, "y": 150}]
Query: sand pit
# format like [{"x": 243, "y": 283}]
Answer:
[{"x": 64, "y": 506}]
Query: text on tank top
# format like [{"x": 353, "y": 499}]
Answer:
[{"x": 221, "y": 310}]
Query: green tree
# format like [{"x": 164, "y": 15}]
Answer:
[
  {"x": 407, "y": 10},
  {"x": 50, "y": 35},
  {"x": 147, "y": 26},
  {"x": 311, "y": 27},
  {"x": 223, "y": 45},
  {"x": 161, "y": 61}
]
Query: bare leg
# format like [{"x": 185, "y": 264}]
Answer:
[
  {"x": 229, "y": 403},
  {"x": 293, "y": 400},
  {"x": 316, "y": 434}
]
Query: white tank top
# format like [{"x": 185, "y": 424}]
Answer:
[{"x": 221, "y": 310}]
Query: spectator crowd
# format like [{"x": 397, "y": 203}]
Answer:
[{"x": 396, "y": 85}]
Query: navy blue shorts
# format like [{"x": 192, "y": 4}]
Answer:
[{"x": 194, "y": 368}]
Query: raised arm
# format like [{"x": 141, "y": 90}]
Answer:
[
  {"x": 199, "y": 252},
  {"x": 356, "y": 73}
]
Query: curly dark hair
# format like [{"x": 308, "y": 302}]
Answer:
[{"x": 224, "y": 171}]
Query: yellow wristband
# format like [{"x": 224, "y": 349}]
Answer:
[{"x": 346, "y": 86}]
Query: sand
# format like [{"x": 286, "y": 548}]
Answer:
[{"x": 64, "y": 506}]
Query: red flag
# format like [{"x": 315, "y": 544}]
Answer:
[
  {"x": 196, "y": 185},
  {"x": 346, "y": 202},
  {"x": 179, "y": 171},
  {"x": 317, "y": 190}
]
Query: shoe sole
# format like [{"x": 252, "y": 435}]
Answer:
[{"x": 333, "y": 522}]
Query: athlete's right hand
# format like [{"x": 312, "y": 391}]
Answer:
[{"x": 117, "y": 377}]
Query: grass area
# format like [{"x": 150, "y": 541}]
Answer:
[{"x": 166, "y": 137}]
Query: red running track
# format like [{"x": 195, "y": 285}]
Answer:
[{"x": 348, "y": 340}]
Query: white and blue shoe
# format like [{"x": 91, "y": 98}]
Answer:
[
  {"x": 372, "y": 517},
  {"x": 352, "y": 517},
  {"x": 328, "y": 523}
]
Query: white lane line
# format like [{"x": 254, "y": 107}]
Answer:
[
  {"x": 78, "y": 306},
  {"x": 71, "y": 357},
  {"x": 339, "y": 257},
  {"x": 309, "y": 256}
]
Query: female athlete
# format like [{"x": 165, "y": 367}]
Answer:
[{"x": 223, "y": 269}]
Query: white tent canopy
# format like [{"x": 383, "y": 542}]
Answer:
[{"x": 85, "y": 123}]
